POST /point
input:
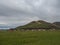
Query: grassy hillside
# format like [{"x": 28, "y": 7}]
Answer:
[
  {"x": 57, "y": 23},
  {"x": 30, "y": 38},
  {"x": 38, "y": 24}
]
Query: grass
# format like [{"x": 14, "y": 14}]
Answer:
[{"x": 30, "y": 38}]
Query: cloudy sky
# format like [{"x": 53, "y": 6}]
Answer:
[{"x": 19, "y": 12}]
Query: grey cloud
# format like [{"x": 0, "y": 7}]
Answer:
[{"x": 19, "y": 12}]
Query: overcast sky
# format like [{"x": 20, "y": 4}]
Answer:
[{"x": 19, "y": 12}]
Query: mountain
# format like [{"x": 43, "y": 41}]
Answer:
[
  {"x": 57, "y": 23},
  {"x": 38, "y": 25}
]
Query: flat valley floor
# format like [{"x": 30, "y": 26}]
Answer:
[{"x": 30, "y": 38}]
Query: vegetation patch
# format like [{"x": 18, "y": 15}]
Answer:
[{"x": 30, "y": 38}]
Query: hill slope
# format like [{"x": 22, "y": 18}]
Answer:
[
  {"x": 38, "y": 24},
  {"x": 57, "y": 23}
]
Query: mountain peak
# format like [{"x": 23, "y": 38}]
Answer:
[{"x": 39, "y": 24}]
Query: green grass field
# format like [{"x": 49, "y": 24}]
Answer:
[{"x": 30, "y": 38}]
